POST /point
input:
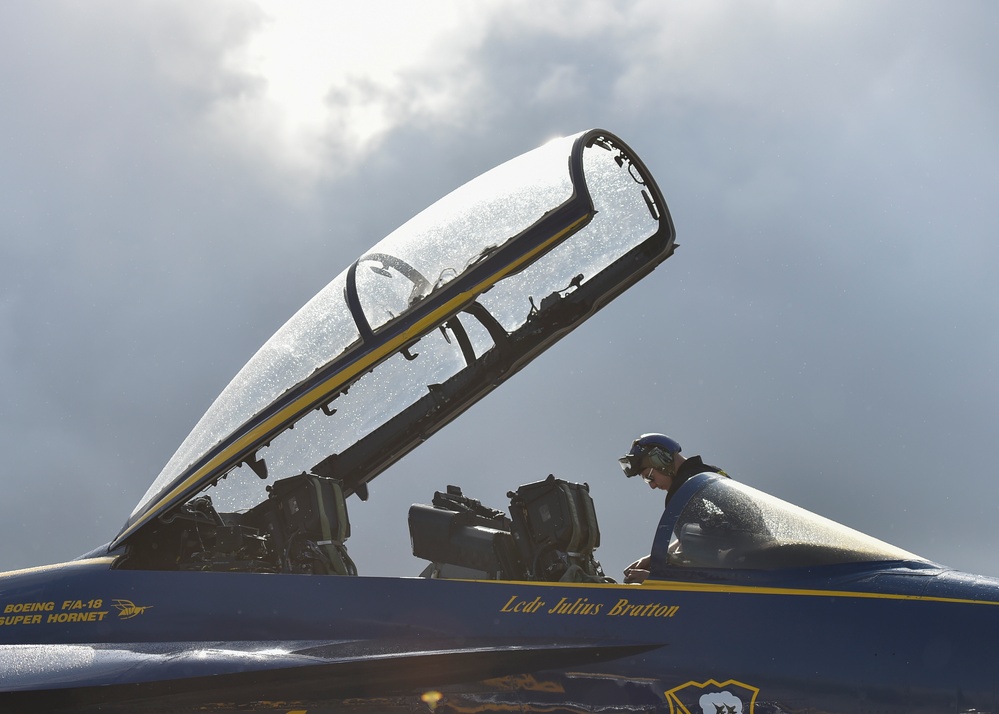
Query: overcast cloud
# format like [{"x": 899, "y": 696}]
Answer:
[{"x": 178, "y": 178}]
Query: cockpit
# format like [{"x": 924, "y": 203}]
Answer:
[{"x": 550, "y": 534}]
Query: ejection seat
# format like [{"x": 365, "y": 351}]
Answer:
[{"x": 550, "y": 535}]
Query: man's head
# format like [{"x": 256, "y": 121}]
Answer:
[{"x": 654, "y": 457}]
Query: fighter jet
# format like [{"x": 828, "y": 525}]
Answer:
[{"x": 230, "y": 587}]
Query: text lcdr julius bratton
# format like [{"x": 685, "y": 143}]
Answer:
[{"x": 582, "y": 606}]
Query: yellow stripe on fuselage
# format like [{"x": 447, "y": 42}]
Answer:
[
  {"x": 691, "y": 587},
  {"x": 674, "y": 586}
]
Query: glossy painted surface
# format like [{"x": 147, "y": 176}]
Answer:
[
  {"x": 889, "y": 639},
  {"x": 877, "y": 636}
]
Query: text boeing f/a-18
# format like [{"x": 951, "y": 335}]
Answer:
[{"x": 230, "y": 586}]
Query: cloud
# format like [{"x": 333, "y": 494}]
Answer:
[
  {"x": 327, "y": 86},
  {"x": 720, "y": 702}
]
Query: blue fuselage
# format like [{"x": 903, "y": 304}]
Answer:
[{"x": 843, "y": 639}]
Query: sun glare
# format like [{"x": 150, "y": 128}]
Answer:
[{"x": 336, "y": 79}]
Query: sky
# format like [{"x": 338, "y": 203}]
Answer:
[{"x": 178, "y": 178}]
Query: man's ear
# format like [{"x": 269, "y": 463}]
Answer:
[{"x": 660, "y": 459}]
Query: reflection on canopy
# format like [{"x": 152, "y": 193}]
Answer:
[{"x": 727, "y": 524}]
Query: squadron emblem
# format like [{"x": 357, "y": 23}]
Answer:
[{"x": 712, "y": 697}]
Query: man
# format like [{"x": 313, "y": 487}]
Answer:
[{"x": 656, "y": 458}]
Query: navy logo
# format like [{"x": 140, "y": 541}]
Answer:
[{"x": 128, "y": 609}]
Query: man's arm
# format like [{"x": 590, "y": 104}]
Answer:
[{"x": 638, "y": 571}]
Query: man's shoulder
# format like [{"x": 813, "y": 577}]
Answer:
[{"x": 694, "y": 465}]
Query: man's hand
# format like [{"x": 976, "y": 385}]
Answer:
[{"x": 638, "y": 571}]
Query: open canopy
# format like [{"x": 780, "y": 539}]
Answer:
[{"x": 430, "y": 320}]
